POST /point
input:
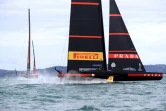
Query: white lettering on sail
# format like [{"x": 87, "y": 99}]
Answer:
[
  {"x": 120, "y": 55},
  {"x": 115, "y": 55},
  {"x": 151, "y": 75},
  {"x": 145, "y": 75},
  {"x": 124, "y": 56},
  {"x": 131, "y": 56},
  {"x": 136, "y": 56}
]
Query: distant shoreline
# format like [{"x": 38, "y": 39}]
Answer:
[{"x": 51, "y": 70}]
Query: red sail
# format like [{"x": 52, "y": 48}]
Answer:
[
  {"x": 29, "y": 44},
  {"x": 34, "y": 67},
  {"x": 34, "y": 64}
]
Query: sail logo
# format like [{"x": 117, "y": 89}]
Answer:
[
  {"x": 91, "y": 56},
  {"x": 124, "y": 56},
  {"x": 145, "y": 75}
]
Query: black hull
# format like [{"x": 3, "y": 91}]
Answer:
[
  {"x": 118, "y": 76},
  {"x": 127, "y": 78}
]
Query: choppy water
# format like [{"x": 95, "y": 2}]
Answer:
[{"x": 49, "y": 94}]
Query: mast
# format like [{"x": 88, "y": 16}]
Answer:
[
  {"x": 34, "y": 64},
  {"x": 102, "y": 33},
  {"x": 122, "y": 53},
  {"x": 86, "y": 48},
  {"x": 29, "y": 44}
]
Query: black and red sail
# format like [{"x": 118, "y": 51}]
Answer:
[
  {"x": 122, "y": 53},
  {"x": 86, "y": 36}
]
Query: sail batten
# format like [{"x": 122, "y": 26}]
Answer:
[
  {"x": 84, "y": 3},
  {"x": 81, "y": 36},
  {"x": 122, "y": 51},
  {"x": 120, "y": 33},
  {"x": 115, "y": 15}
]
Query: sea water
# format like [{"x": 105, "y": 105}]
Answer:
[{"x": 51, "y": 94}]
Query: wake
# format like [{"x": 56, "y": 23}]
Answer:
[{"x": 46, "y": 79}]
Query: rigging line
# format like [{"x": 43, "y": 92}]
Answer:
[
  {"x": 62, "y": 61},
  {"x": 65, "y": 55}
]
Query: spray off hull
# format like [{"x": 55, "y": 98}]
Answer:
[{"x": 30, "y": 75}]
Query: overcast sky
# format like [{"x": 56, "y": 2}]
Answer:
[{"x": 145, "y": 21}]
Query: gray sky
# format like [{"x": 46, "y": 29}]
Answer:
[{"x": 145, "y": 21}]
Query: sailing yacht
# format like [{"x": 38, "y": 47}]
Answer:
[
  {"x": 86, "y": 50},
  {"x": 28, "y": 73}
]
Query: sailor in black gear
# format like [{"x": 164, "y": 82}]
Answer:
[{"x": 58, "y": 71}]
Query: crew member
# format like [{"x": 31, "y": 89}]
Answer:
[{"x": 58, "y": 71}]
